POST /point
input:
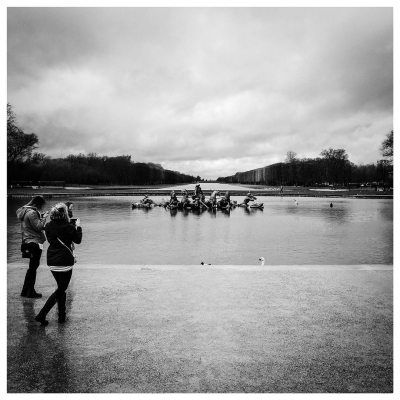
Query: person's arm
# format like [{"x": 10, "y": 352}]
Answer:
[
  {"x": 36, "y": 222},
  {"x": 76, "y": 232},
  {"x": 204, "y": 204}
]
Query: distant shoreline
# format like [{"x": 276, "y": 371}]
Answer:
[{"x": 164, "y": 190}]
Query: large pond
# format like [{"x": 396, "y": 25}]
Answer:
[{"x": 353, "y": 231}]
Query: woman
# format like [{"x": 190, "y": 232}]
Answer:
[
  {"x": 70, "y": 207},
  {"x": 60, "y": 259},
  {"x": 32, "y": 225}
]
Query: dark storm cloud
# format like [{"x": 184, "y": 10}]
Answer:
[
  {"x": 205, "y": 91},
  {"x": 43, "y": 38}
]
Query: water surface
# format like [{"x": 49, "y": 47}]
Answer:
[{"x": 354, "y": 231}]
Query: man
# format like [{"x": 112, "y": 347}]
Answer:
[
  {"x": 146, "y": 200},
  {"x": 249, "y": 198},
  {"x": 198, "y": 192},
  {"x": 33, "y": 237}
]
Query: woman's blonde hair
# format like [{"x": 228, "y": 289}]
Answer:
[{"x": 59, "y": 212}]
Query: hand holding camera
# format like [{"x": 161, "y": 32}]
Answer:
[{"x": 75, "y": 221}]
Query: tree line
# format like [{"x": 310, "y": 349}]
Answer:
[
  {"x": 93, "y": 169},
  {"x": 24, "y": 164},
  {"x": 333, "y": 167}
]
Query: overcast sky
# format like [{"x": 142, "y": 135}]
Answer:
[{"x": 207, "y": 92}]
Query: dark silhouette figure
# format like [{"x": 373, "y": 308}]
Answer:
[
  {"x": 61, "y": 233},
  {"x": 32, "y": 225}
]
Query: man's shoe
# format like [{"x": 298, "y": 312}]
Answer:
[
  {"x": 61, "y": 319},
  {"x": 42, "y": 320}
]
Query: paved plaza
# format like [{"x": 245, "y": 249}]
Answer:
[{"x": 205, "y": 329}]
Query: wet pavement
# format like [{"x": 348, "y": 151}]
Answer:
[{"x": 205, "y": 329}]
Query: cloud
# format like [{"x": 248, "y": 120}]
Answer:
[{"x": 205, "y": 91}]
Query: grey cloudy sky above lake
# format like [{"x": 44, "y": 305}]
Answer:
[{"x": 207, "y": 92}]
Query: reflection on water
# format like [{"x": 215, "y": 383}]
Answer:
[
  {"x": 339, "y": 213},
  {"x": 353, "y": 231},
  {"x": 252, "y": 211}
]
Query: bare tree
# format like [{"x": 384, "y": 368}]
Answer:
[
  {"x": 19, "y": 144},
  {"x": 387, "y": 146},
  {"x": 291, "y": 156}
]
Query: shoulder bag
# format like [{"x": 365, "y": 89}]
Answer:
[{"x": 73, "y": 255}]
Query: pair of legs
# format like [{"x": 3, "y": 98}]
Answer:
[
  {"x": 58, "y": 296},
  {"x": 28, "y": 289}
]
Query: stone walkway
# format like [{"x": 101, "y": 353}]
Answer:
[{"x": 205, "y": 329}]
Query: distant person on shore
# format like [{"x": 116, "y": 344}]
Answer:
[
  {"x": 61, "y": 234},
  {"x": 248, "y": 198},
  {"x": 70, "y": 207},
  {"x": 32, "y": 226},
  {"x": 281, "y": 189}
]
